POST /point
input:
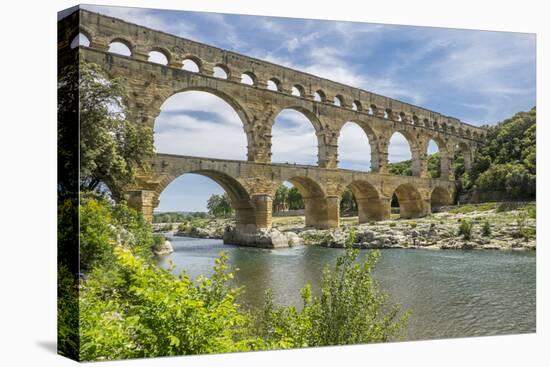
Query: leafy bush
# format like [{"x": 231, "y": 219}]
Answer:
[
  {"x": 104, "y": 225},
  {"x": 486, "y": 229},
  {"x": 137, "y": 309},
  {"x": 158, "y": 241},
  {"x": 465, "y": 229},
  {"x": 413, "y": 224},
  {"x": 349, "y": 310}
]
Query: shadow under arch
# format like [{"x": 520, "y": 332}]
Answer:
[
  {"x": 240, "y": 199},
  {"x": 317, "y": 207},
  {"x": 439, "y": 197},
  {"x": 314, "y": 121},
  {"x": 239, "y": 110},
  {"x": 370, "y": 206},
  {"x": 410, "y": 201}
]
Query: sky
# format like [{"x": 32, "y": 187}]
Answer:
[{"x": 480, "y": 77}]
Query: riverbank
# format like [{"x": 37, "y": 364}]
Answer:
[{"x": 493, "y": 226}]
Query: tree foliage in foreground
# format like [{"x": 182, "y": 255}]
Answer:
[
  {"x": 111, "y": 147},
  {"x": 350, "y": 309},
  {"x": 131, "y": 308}
]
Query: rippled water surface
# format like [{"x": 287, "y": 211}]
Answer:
[{"x": 449, "y": 293}]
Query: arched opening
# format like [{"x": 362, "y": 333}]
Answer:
[
  {"x": 362, "y": 199},
  {"x": 199, "y": 123},
  {"x": 274, "y": 84},
  {"x": 220, "y": 72},
  {"x": 462, "y": 160},
  {"x": 434, "y": 159},
  {"x": 191, "y": 65},
  {"x": 338, "y": 100},
  {"x": 80, "y": 40},
  {"x": 288, "y": 201},
  {"x": 356, "y": 106},
  {"x": 248, "y": 78},
  {"x": 317, "y": 209},
  {"x": 120, "y": 47},
  {"x": 294, "y": 138},
  {"x": 158, "y": 57},
  {"x": 298, "y": 90},
  {"x": 399, "y": 155},
  {"x": 409, "y": 201},
  {"x": 319, "y": 96},
  {"x": 205, "y": 194},
  {"x": 354, "y": 147},
  {"x": 440, "y": 197}
]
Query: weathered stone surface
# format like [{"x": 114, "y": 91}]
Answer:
[{"x": 265, "y": 238}]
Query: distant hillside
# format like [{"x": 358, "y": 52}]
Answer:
[{"x": 504, "y": 167}]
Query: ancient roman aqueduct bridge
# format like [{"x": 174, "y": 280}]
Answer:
[{"x": 251, "y": 184}]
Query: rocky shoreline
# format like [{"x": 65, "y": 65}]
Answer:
[{"x": 509, "y": 230}]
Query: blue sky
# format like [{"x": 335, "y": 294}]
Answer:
[{"x": 480, "y": 77}]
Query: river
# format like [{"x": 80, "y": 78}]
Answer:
[{"x": 450, "y": 293}]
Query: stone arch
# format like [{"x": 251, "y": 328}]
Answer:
[
  {"x": 314, "y": 121},
  {"x": 439, "y": 197},
  {"x": 220, "y": 71},
  {"x": 241, "y": 201},
  {"x": 155, "y": 51},
  {"x": 240, "y": 111},
  {"x": 464, "y": 149},
  {"x": 319, "y": 210},
  {"x": 338, "y": 100},
  {"x": 370, "y": 206},
  {"x": 298, "y": 90},
  {"x": 320, "y": 96},
  {"x": 371, "y": 140},
  {"x": 249, "y": 78},
  {"x": 410, "y": 201},
  {"x": 76, "y": 40},
  {"x": 194, "y": 64},
  {"x": 274, "y": 84},
  {"x": 129, "y": 45},
  {"x": 444, "y": 162},
  {"x": 410, "y": 139},
  {"x": 357, "y": 106}
]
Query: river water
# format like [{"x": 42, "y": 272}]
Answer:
[{"x": 450, "y": 293}]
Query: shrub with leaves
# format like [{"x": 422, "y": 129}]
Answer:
[
  {"x": 349, "y": 310},
  {"x": 465, "y": 229},
  {"x": 486, "y": 229}
]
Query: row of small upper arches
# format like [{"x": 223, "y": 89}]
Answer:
[{"x": 194, "y": 64}]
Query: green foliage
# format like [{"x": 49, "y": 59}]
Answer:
[
  {"x": 349, "y": 310},
  {"x": 295, "y": 199},
  {"x": 392, "y": 224},
  {"x": 111, "y": 147},
  {"x": 220, "y": 206},
  {"x": 317, "y": 238},
  {"x": 287, "y": 199},
  {"x": 522, "y": 229},
  {"x": 177, "y": 217},
  {"x": 506, "y": 162},
  {"x": 531, "y": 210},
  {"x": 68, "y": 338},
  {"x": 348, "y": 203},
  {"x": 136, "y": 309},
  {"x": 404, "y": 168},
  {"x": 413, "y": 224},
  {"x": 158, "y": 241},
  {"x": 486, "y": 229},
  {"x": 465, "y": 229},
  {"x": 104, "y": 225}
]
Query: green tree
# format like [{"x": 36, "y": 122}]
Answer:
[
  {"x": 220, "y": 206},
  {"x": 348, "y": 203},
  {"x": 280, "y": 202},
  {"x": 295, "y": 199},
  {"x": 350, "y": 310},
  {"x": 111, "y": 147}
]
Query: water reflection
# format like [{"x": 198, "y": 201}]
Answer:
[{"x": 450, "y": 293}]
